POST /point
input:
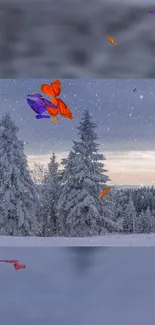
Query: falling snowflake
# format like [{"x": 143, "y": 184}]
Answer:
[{"x": 141, "y": 96}]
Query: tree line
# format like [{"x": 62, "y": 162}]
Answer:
[{"x": 63, "y": 199}]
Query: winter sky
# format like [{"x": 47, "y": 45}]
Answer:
[{"x": 125, "y": 120}]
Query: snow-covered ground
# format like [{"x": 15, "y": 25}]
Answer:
[
  {"x": 107, "y": 240},
  {"x": 78, "y": 285},
  {"x": 69, "y": 38}
]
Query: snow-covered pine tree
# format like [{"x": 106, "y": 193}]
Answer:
[
  {"x": 113, "y": 210},
  {"x": 146, "y": 222},
  {"x": 153, "y": 222},
  {"x": 121, "y": 200},
  {"x": 140, "y": 223},
  {"x": 64, "y": 189},
  {"x": 51, "y": 189},
  {"x": 18, "y": 195},
  {"x": 80, "y": 209},
  {"x": 129, "y": 218},
  {"x": 38, "y": 173}
]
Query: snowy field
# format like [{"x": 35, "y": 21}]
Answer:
[
  {"x": 67, "y": 38},
  {"x": 107, "y": 240},
  {"x": 78, "y": 285}
]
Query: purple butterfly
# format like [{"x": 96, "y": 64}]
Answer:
[
  {"x": 152, "y": 12},
  {"x": 39, "y": 105}
]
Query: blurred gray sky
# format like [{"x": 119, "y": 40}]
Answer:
[{"x": 68, "y": 39}]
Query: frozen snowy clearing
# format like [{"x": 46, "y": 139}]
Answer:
[
  {"x": 144, "y": 240},
  {"x": 78, "y": 285}
]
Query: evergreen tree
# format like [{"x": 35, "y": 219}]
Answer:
[
  {"x": 146, "y": 222},
  {"x": 51, "y": 188},
  {"x": 38, "y": 173},
  {"x": 18, "y": 195},
  {"x": 81, "y": 212},
  {"x": 129, "y": 218},
  {"x": 140, "y": 223}
]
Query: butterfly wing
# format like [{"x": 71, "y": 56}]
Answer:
[
  {"x": 35, "y": 105},
  {"x": 46, "y": 89},
  {"x": 52, "y": 90},
  {"x": 47, "y": 102},
  {"x": 56, "y": 88},
  {"x": 111, "y": 39},
  {"x": 19, "y": 266},
  {"x": 52, "y": 111},
  {"x": 38, "y": 117},
  {"x": 105, "y": 190},
  {"x": 64, "y": 110},
  {"x": 9, "y": 261}
]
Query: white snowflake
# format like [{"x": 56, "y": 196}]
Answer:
[{"x": 141, "y": 96}]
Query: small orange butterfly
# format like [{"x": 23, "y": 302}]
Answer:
[
  {"x": 54, "y": 90},
  {"x": 112, "y": 41},
  {"x": 105, "y": 190}
]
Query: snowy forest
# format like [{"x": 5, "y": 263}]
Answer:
[{"x": 63, "y": 199}]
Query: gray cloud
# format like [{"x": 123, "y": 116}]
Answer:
[{"x": 69, "y": 39}]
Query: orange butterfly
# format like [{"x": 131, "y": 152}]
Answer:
[
  {"x": 105, "y": 190},
  {"x": 54, "y": 90},
  {"x": 111, "y": 40}
]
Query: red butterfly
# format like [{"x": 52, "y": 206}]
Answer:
[
  {"x": 16, "y": 263},
  {"x": 54, "y": 90}
]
